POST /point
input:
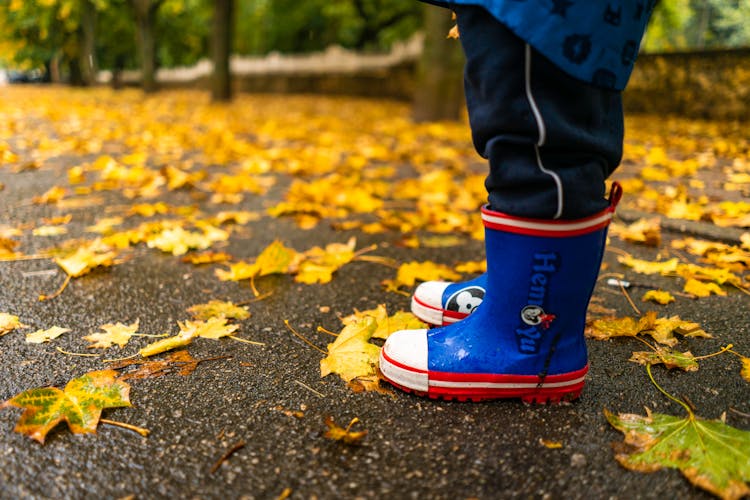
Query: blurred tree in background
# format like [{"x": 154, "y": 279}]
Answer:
[
  {"x": 698, "y": 24},
  {"x": 72, "y": 39}
]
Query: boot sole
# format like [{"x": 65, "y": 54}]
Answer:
[
  {"x": 433, "y": 315},
  {"x": 483, "y": 386}
]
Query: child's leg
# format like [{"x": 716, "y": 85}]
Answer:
[{"x": 551, "y": 139}]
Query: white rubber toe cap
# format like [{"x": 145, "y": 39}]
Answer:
[
  {"x": 430, "y": 293},
  {"x": 427, "y": 301},
  {"x": 403, "y": 359}
]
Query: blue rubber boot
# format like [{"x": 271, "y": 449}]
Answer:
[
  {"x": 526, "y": 340},
  {"x": 443, "y": 302}
]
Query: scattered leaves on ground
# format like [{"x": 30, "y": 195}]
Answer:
[{"x": 662, "y": 330}]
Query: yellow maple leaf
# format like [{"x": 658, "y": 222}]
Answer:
[
  {"x": 86, "y": 257},
  {"x": 658, "y": 296},
  {"x": 645, "y": 231},
  {"x": 41, "y": 336},
  {"x": 649, "y": 267},
  {"x": 471, "y": 267},
  {"x": 218, "y": 308},
  {"x": 318, "y": 264},
  {"x": 717, "y": 275},
  {"x": 345, "y": 435},
  {"x": 209, "y": 257},
  {"x": 701, "y": 289},
  {"x": 351, "y": 355},
  {"x": 119, "y": 334},
  {"x": 149, "y": 209},
  {"x": 49, "y": 231},
  {"x": 178, "y": 241},
  {"x": 401, "y": 320},
  {"x": 212, "y": 328},
  {"x": 745, "y": 239},
  {"x": 276, "y": 258},
  {"x": 237, "y": 272},
  {"x": 105, "y": 225},
  {"x": 745, "y": 372},
  {"x": 8, "y": 323},
  {"x": 53, "y": 195},
  {"x": 411, "y": 272}
]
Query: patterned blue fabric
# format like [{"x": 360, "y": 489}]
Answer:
[{"x": 596, "y": 41}]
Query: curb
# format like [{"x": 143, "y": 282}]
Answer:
[{"x": 705, "y": 230}]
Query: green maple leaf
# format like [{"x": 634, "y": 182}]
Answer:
[
  {"x": 710, "y": 454},
  {"x": 80, "y": 404}
]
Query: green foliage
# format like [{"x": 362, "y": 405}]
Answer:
[
  {"x": 292, "y": 26},
  {"x": 698, "y": 24},
  {"x": 183, "y": 29}
]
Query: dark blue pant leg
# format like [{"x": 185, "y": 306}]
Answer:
[{"x": 551, "y": 140}]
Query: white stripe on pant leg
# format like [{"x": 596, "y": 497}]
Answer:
[{"x": 542, "y": 135}]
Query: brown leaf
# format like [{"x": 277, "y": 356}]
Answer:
[{"x": 346, "y": 436}]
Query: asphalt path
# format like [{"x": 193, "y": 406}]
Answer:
[{"x": 269, "y": 403}]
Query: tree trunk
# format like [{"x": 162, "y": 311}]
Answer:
[
  {"x": 145, "y": 17},
  {"x": 439, "y": 92},
  {"x": 75, "y": 76},
  {"x": 221, "y": 49},
  {"x": 88, "y": 43}
]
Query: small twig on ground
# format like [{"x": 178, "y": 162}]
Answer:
[
  {"x": 236, "y": 446},
  {"x": 630, "y": 301},
  {"x": 140, "y": 430},
  {"x": 738, "y": 412},
  {"x": 310, "y": 389},
  {"x": 246, "y": 341}
]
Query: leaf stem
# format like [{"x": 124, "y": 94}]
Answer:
[
  {"x": 681, "y": 403},
  {"x": 728, "y": 348},
  {"x": 58, "y": 292},
  {"x": 323, "y": 330},
  {"x": 303, "y": 339},
  {"x": 81, "y": 354}
]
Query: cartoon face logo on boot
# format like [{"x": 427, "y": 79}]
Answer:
[
  {"x": 535, "y": 316},
  {"x": 466, "y": 300}
]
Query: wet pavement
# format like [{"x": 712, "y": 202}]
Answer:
[{"x": 415, "y": 448}]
